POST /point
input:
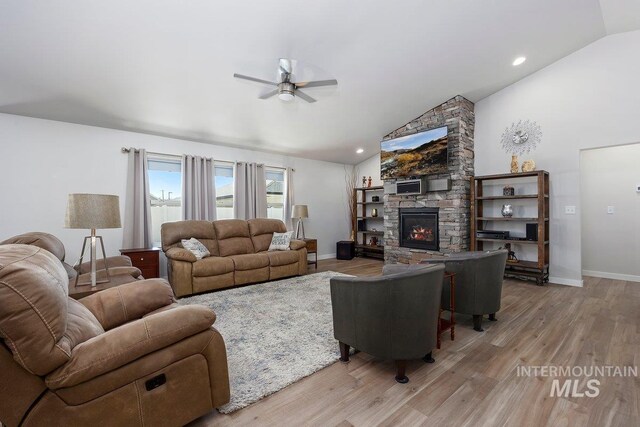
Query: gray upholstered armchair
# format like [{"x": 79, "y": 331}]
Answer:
[
  {"x": 393, "y": 316},
  {"x": 478, "y": 289}
]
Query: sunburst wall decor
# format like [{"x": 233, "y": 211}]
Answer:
[{"x": 521, "y": 137}]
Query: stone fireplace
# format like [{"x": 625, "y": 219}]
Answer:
[
  {"x": 418, "y": 228},
  {"x": 449, "y": 209}
]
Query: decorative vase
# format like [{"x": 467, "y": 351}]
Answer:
[
  {"x": 374, "y": 212},
  {"x": 514, "y": 164},
  {"x": 528, "y": 166},
  {"x": 507, "y": 211}
]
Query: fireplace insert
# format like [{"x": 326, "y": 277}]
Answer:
[{"x": 418, "y": 228}]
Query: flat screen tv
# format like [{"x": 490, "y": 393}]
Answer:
[{"x": 422, "y": 153}]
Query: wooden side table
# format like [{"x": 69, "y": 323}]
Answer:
[
  {"x": 146, "y": 259},
  {"x": 444, "y": 324},
  {"x": 81, "y": 291},
  {"x": 312, "y": 248}
]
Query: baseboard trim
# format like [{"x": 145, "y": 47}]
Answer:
[
  {"x": 326, "y": 256},
  {"x": 614, "y": 276},
  {"x": 566, "y": 282}
]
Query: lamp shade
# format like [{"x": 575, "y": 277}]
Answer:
[
  {"x": 92, "y": 211},
  {"x": 300, "y": 211}
]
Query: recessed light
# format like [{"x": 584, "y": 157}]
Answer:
[
  {"x": 360, "y": 150},
  {"x": 519, "y": 60}
]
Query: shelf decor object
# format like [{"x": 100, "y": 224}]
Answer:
[
  {"x": 528, "y": 166},
  {"x": 508, "y": 190},
  {"x": 507, "y": 211},
  {"x": 482, "y": 205},
  {"x": 93, "y": 211},
  {"x": 514, "y": 163}
]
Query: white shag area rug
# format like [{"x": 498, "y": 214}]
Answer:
[{"x": 276, "y": 333}]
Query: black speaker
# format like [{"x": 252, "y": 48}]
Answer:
[
  {"x": 532, "y": 232},
  {"x": 345, "y": 249}
]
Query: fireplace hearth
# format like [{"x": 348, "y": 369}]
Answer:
[{"x": 418, "y": 228}]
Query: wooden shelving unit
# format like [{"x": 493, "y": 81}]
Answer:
[
  {"x": 537, "y": 270},
  {"x": 362, "y": 197}
]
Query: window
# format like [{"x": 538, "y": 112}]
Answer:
[
  {"x": 224, "y": 191},
  {"x": 165, "y": 188},
  {"x": 275, "y": 193}
]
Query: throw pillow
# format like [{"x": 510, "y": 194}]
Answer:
[
  {"x": 281, "y": 241},
  {"x": 195, "y": 247}
]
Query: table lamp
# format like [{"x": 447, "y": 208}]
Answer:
[
  {"x": 93, "y": 211},
  {"x": 299, "y": 212}
]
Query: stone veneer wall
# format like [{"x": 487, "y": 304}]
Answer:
[{"x": 457, "y": 113}]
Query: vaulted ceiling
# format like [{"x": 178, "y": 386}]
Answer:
[{"x": 166, "y": 67}]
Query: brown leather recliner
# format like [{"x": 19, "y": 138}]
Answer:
[
  {"x": 118, "y": 265},
  {"x": 128, "y": 355}
]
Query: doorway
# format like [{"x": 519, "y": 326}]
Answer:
[{"x": 610, "y": 209}]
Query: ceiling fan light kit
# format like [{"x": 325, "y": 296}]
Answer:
[{"x": 286, "y": 89}]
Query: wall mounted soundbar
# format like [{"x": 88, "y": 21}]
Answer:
[{"x": 416, "y": 187}]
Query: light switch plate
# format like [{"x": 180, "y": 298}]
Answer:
[
  {"x": 570, "y": 210},
  {"x": 610, "y": 210}
]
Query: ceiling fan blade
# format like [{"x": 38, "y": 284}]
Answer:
[
  {"x": 269, "y": 94},
  {"x": 317, "y": 83},
  {"x": 304, "y": 96},
  {"x": 253, "y": 79}
]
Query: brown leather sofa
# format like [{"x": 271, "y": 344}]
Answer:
[
  {"x": 118, "y": 265},
  {"x": 239, "y": 254},
  {"x": 128, "y": 355}
]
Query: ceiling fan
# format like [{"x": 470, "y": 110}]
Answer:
[{"x": 286, "y": 89}]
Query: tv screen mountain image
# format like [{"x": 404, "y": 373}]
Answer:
[{"x": 422, "y": 153}]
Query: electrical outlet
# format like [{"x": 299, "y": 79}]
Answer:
[
  {"x": 570, "y": 210},
  {"x": 610, "y": 210}
]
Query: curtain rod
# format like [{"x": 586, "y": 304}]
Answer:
[{"x": 126, "y": 150}]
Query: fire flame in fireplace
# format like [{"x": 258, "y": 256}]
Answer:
[{"x": 421, "y": 233}]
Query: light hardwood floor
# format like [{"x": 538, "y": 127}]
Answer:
[{"x": 474, "y": 381}]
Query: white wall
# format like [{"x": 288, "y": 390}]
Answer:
[
  {"x": 589, "y": 99},
  {"x": 611, "y": 241},
  {"x": 41, "y": 161}
]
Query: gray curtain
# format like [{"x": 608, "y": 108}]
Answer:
[
  {"x": 288, "y": 198},
  {"x": 137, "y": 210},
  {"x": 250, "y": 191},
  {"x": 198, "y": 188}
]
